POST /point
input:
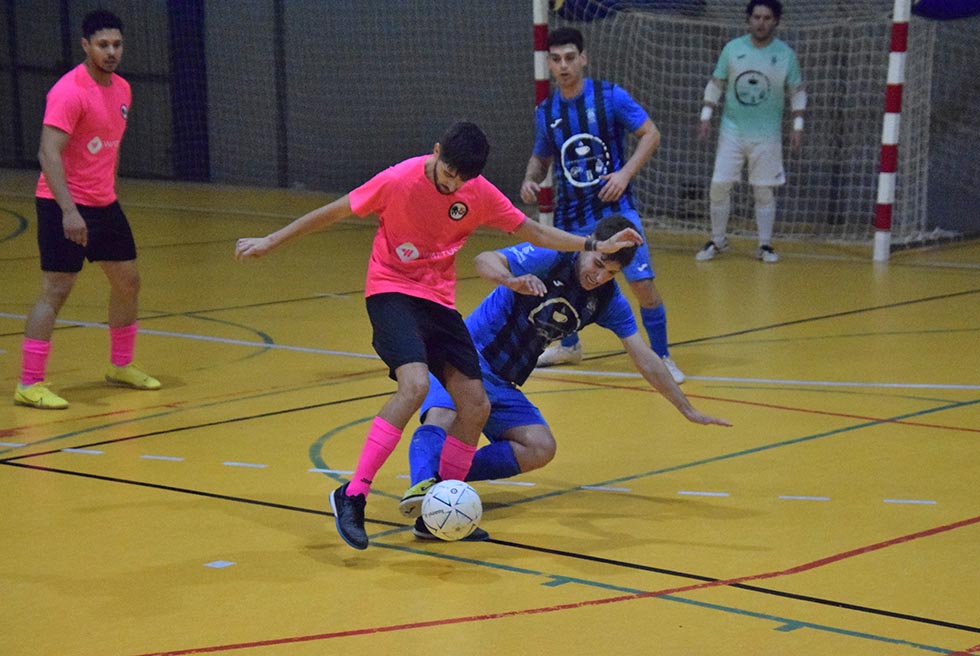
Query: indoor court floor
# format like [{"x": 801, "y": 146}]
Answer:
[{"x": 839, "y": 515}]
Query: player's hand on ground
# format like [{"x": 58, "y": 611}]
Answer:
[
  {"x": 529, "y": 191},
  {"x": 614, "y": 187},
  {"x": 528, "y": 284},
  {"x": 74, "y": 227},
  {"x": 620, "y": 240},
  {"x": 248, "y": 248},
  {"x": 699, "y": 417}
]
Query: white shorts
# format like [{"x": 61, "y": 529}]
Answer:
[{"x": 765, "y": 159}]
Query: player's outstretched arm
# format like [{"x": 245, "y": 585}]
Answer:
[
  {"x": 493, "y": 266},
  {"x": 655, "y": 372},
  {"x": 254, "y": 247},
  {"x": 559, "y": 240}
]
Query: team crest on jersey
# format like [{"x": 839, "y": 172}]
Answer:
[
  {"x": 752, "y": 88},
  {"x": 124, "y": 110},
  {"x": 554, "y": 318},
  {"x": 458, "y": 210},
  {"x": 584, "y": 160}
]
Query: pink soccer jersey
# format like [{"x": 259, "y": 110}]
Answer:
[
  {"x": 421, "y": 229},
  {"x": 95, "y": 117}
]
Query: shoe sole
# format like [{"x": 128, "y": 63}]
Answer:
[
  {"x": 340, "y": 532},
  {"x": 28, "y": 404},
  {"x": 478, "y": 535},
  {"x": 122, "y": 383},
  {"x": 412, "y": 506}
]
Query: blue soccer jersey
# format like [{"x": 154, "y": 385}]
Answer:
[
  {"x": 586, "y": 137},
  {"x": 511, "y": 330}
]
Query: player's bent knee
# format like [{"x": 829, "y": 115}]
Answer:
[
  {"x": 719, "y": 191},
  {"x": 763, "y": 195}
]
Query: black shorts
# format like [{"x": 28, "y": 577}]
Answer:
[
  {"x": 110, "y": 238},
  {"x": 409, "y": 329}
]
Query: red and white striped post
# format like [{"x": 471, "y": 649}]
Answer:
[
  {"x": 891, "y": 129},
  {"x": 542, "y": 87}
]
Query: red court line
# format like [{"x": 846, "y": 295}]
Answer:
[
  {"x": 593, "y": 602},
  {"x": 773, "y": 406}
]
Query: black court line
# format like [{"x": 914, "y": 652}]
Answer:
[
  {"x": 180, "y": 429},
  {"x": 518, "y": 545}
]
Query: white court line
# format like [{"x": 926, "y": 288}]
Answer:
[
  {"x": 517, "y": 483},
  {"x": 88, "y": 452},
  {"x": 219, "y": 564},
  {"x": 170, "y": 458},
  {"x": 703, "y": 494},
  {"x": 537, "y": 372},
  {"x": 921, "y": 502},
  {"x": 333, "y": 471},
  {"x": 794, "y": 497},
  {"x": 12, "y": 444},
  {"x": 253, "y": 465}
]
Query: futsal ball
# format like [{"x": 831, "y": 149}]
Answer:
[{"x": 451, "y": 510}]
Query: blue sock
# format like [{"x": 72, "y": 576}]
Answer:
[
  {"x": 570, "y": 340},
  {"x": 495, "y": 460},
  {"x": 424, "y": 451},
  {"x": 655, "y": 321}
]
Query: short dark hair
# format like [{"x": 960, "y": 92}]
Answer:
[
  {"x": 465, "y": 148},
  {"x": 98, "y": 20},
  {"x": 564, "y": 36},
  {"x": 608, "y": 227},
  {"x": 775, "y": 5}
]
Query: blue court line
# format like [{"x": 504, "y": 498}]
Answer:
[
  {"x": 554, "y": 580},
  {"x": 754, "y": 450},
  {"x": 18, "y": 229}
]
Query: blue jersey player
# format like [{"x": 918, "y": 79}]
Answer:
[
  {"x": 543, "y": 295},
  {"x": 582, "y": 128}
]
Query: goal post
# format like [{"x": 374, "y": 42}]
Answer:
[{"x": 664, "y": 51}]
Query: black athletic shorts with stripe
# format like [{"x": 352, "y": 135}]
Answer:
[
  {"x": 110, "y": 238},
  {"x": 409, "y": 329}
]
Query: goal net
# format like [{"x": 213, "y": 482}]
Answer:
[{"x": 664, "y": 52}]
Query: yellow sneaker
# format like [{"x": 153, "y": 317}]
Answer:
[
  {"x": 411, "y": 503},
  {"x": 38, "y": 396},
  {"x": 131, "y": 376}
]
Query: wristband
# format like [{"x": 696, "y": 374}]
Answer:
[
  {"x": 798, "y": 124},
  {"x": 590, "y": 243},
  {"x": 706, "y": 112}
]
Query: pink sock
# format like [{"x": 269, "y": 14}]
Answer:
[
  {"x": 381, "y": 441},
  {"x": 35, "y": 362},
  {"x": 455, "y": 460},
  {"x": 122, "y": 341}
]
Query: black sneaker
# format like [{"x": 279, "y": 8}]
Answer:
[
  {"x": 422, "y": 532},
  {"x": 349, "y": 514}
]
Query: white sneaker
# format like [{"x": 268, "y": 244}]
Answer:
[
  {"x": 558, "y": 354},
  {"x": 766, "y": 254},
  {"x": 711, "y": 249},
  {"x": 676, "y": 373}
]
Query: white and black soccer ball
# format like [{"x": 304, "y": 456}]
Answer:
[{"x": 451, "y": 510}]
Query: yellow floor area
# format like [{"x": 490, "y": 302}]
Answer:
[{"x": 839, "y": 515}]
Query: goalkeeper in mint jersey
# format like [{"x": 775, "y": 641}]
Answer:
[
  {"x": 542, "y": 296},
  {"x": 756, "y": 72},
  {"x": 582, "y": 127}
]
